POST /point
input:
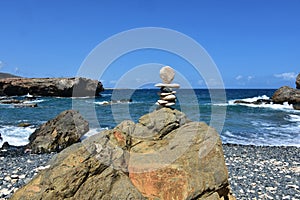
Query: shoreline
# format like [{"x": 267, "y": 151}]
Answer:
[{"x": 255, "y": 172}]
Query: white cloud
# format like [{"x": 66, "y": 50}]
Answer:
[
  {"x": 17, "y": 70},
  {"x": 113, "y": 82},
  {"x": 288, "y": 76},
  {"x": 250, "y": 78},
  {"x": 239, "y": 77}
]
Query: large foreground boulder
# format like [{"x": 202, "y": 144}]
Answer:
[
  {"x": 164, "y": 156},
  {"x": 60, "y": 87},
  {"x": 57, "y": 134}
]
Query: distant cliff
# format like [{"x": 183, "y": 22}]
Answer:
[
  {"x": 59, "y": 87},
  {"x": 7, "y": 75}
]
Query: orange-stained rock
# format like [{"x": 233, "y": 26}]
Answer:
[
  {"x": 165, "y": 183},
  {"x": 186, "y": 162},
  {"x": 163, "y": 157}
]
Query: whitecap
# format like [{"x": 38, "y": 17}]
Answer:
[
  {"x": 285, "y": 106},
  {"x": 16, "y": 136},
  {"x": 34, "y": 101},
  {"x": 293, "y": 118},
  {"x": 102, "y": 102}
]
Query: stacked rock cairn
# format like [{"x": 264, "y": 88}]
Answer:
[{"x": 167, "y": 95}]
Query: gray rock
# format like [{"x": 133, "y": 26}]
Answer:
[{"x": 55, "y": 135}]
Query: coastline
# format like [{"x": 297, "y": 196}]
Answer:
[{"x": 255, "y": 172}]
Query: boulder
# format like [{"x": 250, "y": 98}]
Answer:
[
  {"x": 286, "y": 94},
  {"x": 178, "y": 160},
  {"x": 298, "y": 82},
  {"x": 55, "y": 135},
  {"x": 163, "y": 156},
  {"x": 87, "y": 170},
  {"x": 61, "y": 87}
]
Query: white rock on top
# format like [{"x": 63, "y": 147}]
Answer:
[
  {"x": 167, "y": 74},
  {"x": 169, "y": 85}
]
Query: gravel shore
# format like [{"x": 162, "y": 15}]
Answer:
[
  {"x": 255, "y": 172},
  {"x": 263, "y": 172}
]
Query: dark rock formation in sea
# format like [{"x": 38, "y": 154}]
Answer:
[
  {"x": 57, "y": 134},
  {"x": 163, "y": 156},
  {"x": 60, "y": 87},
  {"x": 286, "y": 94},
  {"x": 257, "y": 102},
  {"x": 280, "y": 96},
  {"x": 298, "y": 82}
]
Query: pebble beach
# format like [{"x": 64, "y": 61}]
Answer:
[{"x": 255, "y": 172}]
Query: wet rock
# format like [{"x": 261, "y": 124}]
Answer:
[
  {"x": 55, "y": 135},
  {"x": 257, "y": 102},
  {"x": 24, "y": 124}
]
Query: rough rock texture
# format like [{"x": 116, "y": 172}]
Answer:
[
  {"x": 298, "y": 82},
  {"x": 87, "y": 170},
  {"x": 286, "y": 94},
  {"x": 164, "y": 156},
  {"x": 177, "y": 160},
  {"x": 62, "y": 87},
  {"x": 58, "y": 133}
]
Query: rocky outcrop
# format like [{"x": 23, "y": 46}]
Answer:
[
  {"x": 7, "y": 75},
  {"x": 163, "y": 156},
  {"x": 55, "y": 135},
  {"x": 61, "y": 87},
  {"x": 280, "y": 96},
  {"x": 286, "y": 94},
  {"x": 298, "y": 82}
]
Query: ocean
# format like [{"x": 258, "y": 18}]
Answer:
[{"x": 247, "y": 124}]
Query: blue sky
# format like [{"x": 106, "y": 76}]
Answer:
[{"x": 254, "y": 43}]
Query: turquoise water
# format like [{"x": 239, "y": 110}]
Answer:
[{"x": 239, "y": 124}]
